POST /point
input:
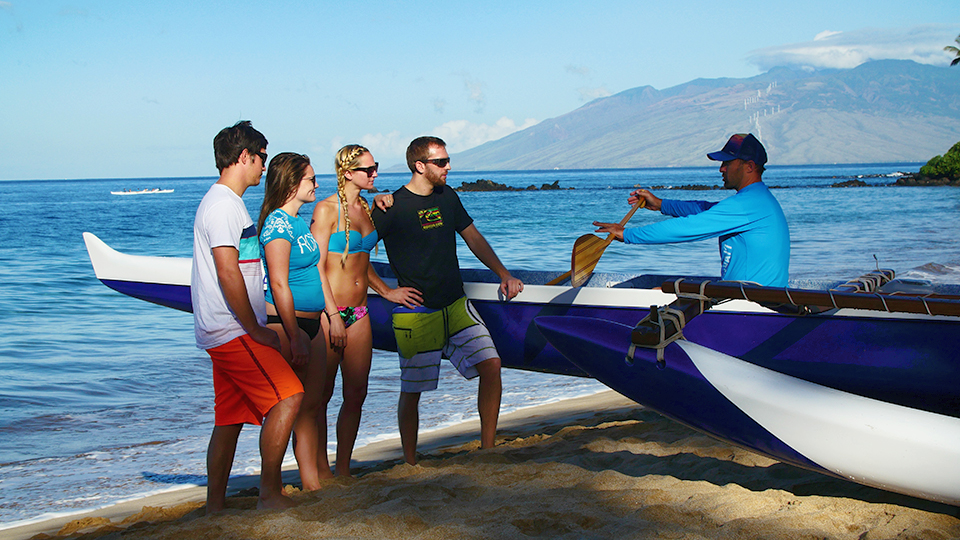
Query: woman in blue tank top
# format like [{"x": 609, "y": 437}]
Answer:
[
  {"x": 295, "y": 299},
  {"x": 346, "y": 235}
]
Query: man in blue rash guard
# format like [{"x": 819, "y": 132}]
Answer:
[{"x": 754, "y": 238}]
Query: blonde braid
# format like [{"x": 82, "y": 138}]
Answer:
[
  {"x": 342, "y": 192},
  {"x": 369, "y": 211},
  {"x": 346, "y": 158}
]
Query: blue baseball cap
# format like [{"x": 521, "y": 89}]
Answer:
[{"x": 741, "y": 146}]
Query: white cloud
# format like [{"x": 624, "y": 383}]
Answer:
[
  {"x": 387, "y": 148},
  {"x": 825, "y": 34},
  {"x": 831, "y": 49},
  {"x": 462, "y": 135},
  {"x": 390, "y": 144}
]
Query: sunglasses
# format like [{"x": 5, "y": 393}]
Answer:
[
  {"x": 368, "y": 170},
  {"x": 263, "y": 156},
  {"x": 311, "y": 179},
  {"x": 439, "y": 162}
]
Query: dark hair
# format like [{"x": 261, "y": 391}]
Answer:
[
  {"x": 419, "y": 150},
  {"x": 232, "y": 141},
  {"x": 284, "y": 174}
]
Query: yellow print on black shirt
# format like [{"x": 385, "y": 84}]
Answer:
[{"x": 430, "y": 218}]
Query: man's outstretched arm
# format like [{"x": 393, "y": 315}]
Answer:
[{"x": 509, "y": 285}]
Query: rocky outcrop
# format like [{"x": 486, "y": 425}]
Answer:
[
  {"x": 850, "y": 183},
  {"x": 489, "y": 185},
  {"x": 912, "y": 180}
]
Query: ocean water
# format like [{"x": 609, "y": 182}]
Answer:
[{"x": 105, "y": 398}]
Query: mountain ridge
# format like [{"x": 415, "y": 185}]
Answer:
[{"x": 881, "y": 111}]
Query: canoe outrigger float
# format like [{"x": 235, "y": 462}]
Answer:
[{"x": 858, "y": 380}]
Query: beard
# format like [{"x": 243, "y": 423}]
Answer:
[{"x": 438, "y": 179}]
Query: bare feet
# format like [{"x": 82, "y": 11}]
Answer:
[
  {"x": 211, "y": 510},
  {"x": 323, "y": 473},
  {"x": 275, "y": 502}
]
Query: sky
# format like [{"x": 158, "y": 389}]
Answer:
[{"x": 121, "y": 89}]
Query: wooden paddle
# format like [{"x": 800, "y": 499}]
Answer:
[{"x": 587, "y": 251}]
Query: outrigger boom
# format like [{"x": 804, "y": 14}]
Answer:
[{"x": 807, "y": 300}]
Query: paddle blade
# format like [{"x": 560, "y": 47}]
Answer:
[
  {"x": 586, "y": 253},
  {"x": 588, "y": 249}
]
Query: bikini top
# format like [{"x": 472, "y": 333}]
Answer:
[{"x": 338, "y": 240}]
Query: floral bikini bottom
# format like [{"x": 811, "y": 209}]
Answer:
[{"x": 351, "y": 315}]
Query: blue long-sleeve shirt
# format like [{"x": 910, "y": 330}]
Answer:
[{"x": 753, "y": 232}]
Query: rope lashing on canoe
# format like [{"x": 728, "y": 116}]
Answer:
[
  {"x": 668, "y": 324},
  {"x": 818, "y": 301},
  {"x": 869, "y": 282},
  {"x": 699, "y": 296},
  {"x": 664, "y": 324}
]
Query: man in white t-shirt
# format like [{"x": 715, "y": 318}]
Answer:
[{"x": 253, "y": 383}]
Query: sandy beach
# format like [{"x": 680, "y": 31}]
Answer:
[{"x": 593, "y": 467}]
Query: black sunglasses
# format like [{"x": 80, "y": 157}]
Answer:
[
  {"x": 368, "y": 170},
  {"x": 439, "y": 162},
  {"x": 263, "y": 157}
]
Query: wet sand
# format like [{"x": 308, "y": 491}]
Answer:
[{"x": 594, "y": 467}]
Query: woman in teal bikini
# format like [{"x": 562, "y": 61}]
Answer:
[
  {"x": 295, "y": 300},
  {"x": 346, "y": 235}
]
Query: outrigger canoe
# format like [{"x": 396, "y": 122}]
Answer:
[{"x": 859, "y": 380}]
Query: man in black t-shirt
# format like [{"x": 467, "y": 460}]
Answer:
[{"x": 435, "y": 318}]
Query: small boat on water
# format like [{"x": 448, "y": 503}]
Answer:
[
  {"x": 141, "y": 191},
  {"x": 858, "y": 380}
]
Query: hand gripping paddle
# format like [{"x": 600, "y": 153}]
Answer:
[{"x": 587, "y": 251}]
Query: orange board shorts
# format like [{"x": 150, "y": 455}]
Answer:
[{"x": 249, "y": 379}]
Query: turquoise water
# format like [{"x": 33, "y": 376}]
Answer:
[{"x": 103, "y": 397}]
